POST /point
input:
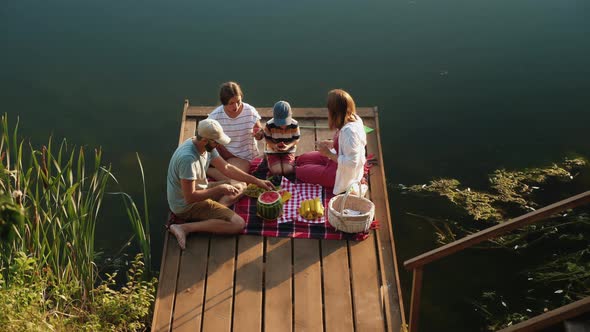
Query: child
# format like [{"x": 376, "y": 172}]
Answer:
[{"x": 281, "y": 134}]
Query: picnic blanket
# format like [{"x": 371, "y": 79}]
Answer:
[
  {"x": 246, "y": 208},
  {"x": 290, "y": 224}
]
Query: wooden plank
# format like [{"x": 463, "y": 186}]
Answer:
[
  {"x": 162, "y": 320},
  {"x": 190, "y": 129},
  {"x": 298, "y": 112},
  {"x": 182, "y": 136},
  {"x": 366, "y": 288},
  {"x": 552, "y": 317},
  {"x": 262, "y": 143},
  {"x": 308, "y": 285},
  {"x": 494, "y": 231},
  {"x": 278, "y": 305},
  {"x": 307, "y": 140},
  {"x": 394, "y": 310},
  {"x": 248, "y": 287},
  {"x": 337, "y": 295},
  {"x": 220, "y": 281},
  {"x": 323, "y": 133},
  {"x": 191, "y": 284}
]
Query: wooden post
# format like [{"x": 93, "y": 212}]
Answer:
[{"x": 415, "y": 299}]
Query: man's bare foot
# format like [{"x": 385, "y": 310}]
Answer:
[{"x": 180, "y": 235}]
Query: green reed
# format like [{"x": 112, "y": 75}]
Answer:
[
  {"x": 61, "y": 190},
  {"x": 139, "y": 223}
]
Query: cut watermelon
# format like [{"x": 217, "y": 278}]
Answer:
[
  {"x": 269, "y": 205},
  {"x": 269, "y": 197}
]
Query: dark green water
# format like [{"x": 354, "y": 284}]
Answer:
[{"x": 463, "y": 88}]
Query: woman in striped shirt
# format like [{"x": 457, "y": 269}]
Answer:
[{"x": 240, "y": 121}]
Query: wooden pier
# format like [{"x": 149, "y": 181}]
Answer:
[{"x": 253, "y": 283}]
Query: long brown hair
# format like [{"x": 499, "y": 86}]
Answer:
[
  {"x": 228, "y": 90},
  {"x": 341, "y": 108}
]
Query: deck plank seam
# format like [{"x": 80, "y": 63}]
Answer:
[
  {"x": 263, "y": 315},
  {"x": 233, "y": 295},
  {"x": 204, "y": 301},
  {"x": 382, "y": 281},
  {"x": 293, "y": 294},
  {"x": 350, "y": 279},
  {"x": 322, "y": 286},
  {"x": 323, "y": 298},
  {"x": 175, "y": 291}
]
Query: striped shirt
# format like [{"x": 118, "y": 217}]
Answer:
[
  {"x": 276, "y": 134},
  {"x": 239, "y": 129}
]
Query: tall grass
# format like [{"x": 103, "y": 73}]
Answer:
[
  {"x": 61, "y": 190},
  {"x": 139, "y": 223}
]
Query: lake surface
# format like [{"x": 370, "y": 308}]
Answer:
[{"x": 463, "y": 88}]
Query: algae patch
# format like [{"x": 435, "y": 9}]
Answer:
[{"x": 508, "y": 189}]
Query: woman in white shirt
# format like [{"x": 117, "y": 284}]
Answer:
[
  {"x": 338, "y": 163},
  {"x": 241, "y": 122}
]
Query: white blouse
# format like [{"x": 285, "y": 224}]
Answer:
[{"x": 351, "y": 155}]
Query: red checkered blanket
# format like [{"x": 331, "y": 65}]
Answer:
[{"x": 296, "y": 227}]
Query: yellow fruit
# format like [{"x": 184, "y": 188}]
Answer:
[
  {"x": 319, "y": 208},
  {"x": 286, "y": 196},
  {"x": 304, "y": 209}
]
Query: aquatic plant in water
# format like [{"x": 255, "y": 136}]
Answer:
[{"x": 508, "y": 189}]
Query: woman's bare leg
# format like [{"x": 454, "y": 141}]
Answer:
[{"x": 240, "y": 163}]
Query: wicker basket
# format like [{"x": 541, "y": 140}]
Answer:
[{"x": 346, "y": 222}]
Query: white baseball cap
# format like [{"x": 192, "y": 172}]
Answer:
[{"x": 211, "y": 129}]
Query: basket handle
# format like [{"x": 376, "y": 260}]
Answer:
[{"x": 346, "y": 193}]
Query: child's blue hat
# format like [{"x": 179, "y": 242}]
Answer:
[{"x": 281, "y": 113}]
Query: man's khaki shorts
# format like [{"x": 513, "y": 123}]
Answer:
[{"x": 207, "y": 209}]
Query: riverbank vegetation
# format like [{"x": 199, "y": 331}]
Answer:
[
  {"x": 50, "y": 202},
  {"x": 553, "y": 255}
]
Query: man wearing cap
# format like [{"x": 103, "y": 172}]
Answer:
[{"x": 191, "y": 197}]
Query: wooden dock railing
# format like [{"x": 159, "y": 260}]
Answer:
[{"x": 417, "y": 263}]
